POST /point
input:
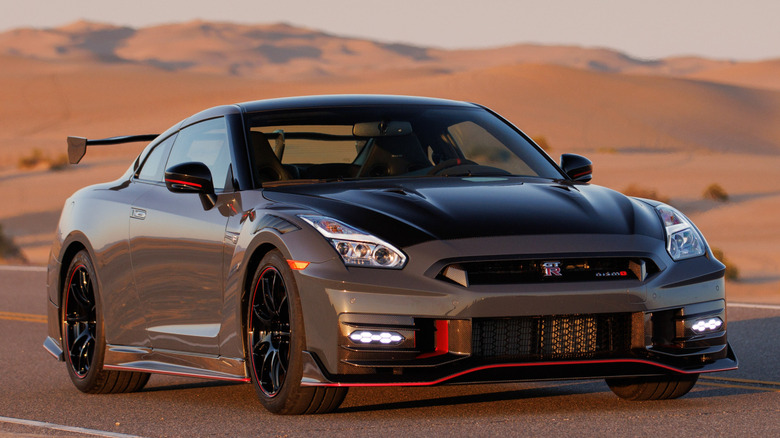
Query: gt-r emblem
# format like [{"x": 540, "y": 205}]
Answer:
[{"x": 552, "y": 269}]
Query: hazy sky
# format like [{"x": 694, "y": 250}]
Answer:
[{"x": 729, "y": 29}]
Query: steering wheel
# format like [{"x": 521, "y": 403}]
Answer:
[{"x": 446, "y": 164}]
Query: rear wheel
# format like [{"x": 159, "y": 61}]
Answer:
[
  {"x": 652, "y": 388},
  {"x": 276, "y": 341},
  {"x": 82, "y": 333}
]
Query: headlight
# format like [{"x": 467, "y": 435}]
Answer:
[
  {"x": 356, "y": 247},
  {"x": 683, "y": 240}
]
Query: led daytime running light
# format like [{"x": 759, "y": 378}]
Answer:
[
  {"x": 373, "y": 337},
  {"x": 707, "y": 325}
]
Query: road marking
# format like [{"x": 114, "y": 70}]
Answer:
[
  {"x": 19, "y": 268},
  {"x": 54, "y": 426},
  {"x": 754, "y": 306},
  {"x": 724, "y": 385},
  {"x": 26, "y": 317},
  {"x": 731, "y": 379}
]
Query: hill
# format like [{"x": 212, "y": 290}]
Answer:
[{"x": 281, "y": 52}]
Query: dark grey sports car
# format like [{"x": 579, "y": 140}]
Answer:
[{"x": 316, "y": 243}]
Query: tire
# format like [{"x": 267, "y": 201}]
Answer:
[
  {"x": 652, "y": 388},
  {"x": 275, "y": 342},
  {"x": 83, "y": 338}
]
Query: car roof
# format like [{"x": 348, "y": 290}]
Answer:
[
  {"x": 343, "y": 100},
  {"x": 320, "y": 101}
]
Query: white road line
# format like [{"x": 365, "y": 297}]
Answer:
[
  {"x": 65, "y": 428},
  {"x": 754, "y": 306},
  {"x": 18, "y": 268}
]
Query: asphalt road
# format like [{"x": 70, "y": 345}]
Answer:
[{"x": 38, "y": 399}]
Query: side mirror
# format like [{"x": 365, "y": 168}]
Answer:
[
  {"x": 192, "y": 178},
  {"x": 577, "y": 167}
]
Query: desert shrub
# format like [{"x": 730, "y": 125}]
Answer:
[
  {"x": 9, "y": 252},
  {"x": 36, "y": 157},
  {"x": 643, "y": 192},
  {"x": 542, "y": 142},
  {"x": 732, "y": 273},
  {"x": 59, "y": 163},
  {"x": 715, "y": 192}
]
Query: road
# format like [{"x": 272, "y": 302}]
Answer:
[{"x": 38, "y": 399}]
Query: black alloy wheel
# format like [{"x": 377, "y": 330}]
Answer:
[
  {"x": 83, "y": 335},
  {"x": 270, "y": 331},
  {"x": 276, "y": 341},
  {"x": 80, "y": 321}
]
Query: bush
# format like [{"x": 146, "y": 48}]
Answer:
[
  {"x": 542, "y": 142},
  {"x": 716, "y": 193},
  {"x": 643, "y": 192},
  {"x": 59, "y": 163},
  {"x": 9, "y": 252},
  {"x": 732, "y": 273},
  {"x": 37, "y": 157}
]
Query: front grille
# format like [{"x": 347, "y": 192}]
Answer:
[
  {"x": 548, "y": 270},
  {"x": 539, "y": 338}
]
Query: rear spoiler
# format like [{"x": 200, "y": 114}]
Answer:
[{"x": 77, "y": 146}]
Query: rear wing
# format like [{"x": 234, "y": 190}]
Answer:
[{"x": 77, "y": 146}]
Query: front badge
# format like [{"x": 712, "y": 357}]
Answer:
[{"x": 552, "y": 269}]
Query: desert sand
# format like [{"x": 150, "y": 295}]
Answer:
[{"x": 674, "y": 125}]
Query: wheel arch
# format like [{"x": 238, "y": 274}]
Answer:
[
  {"x": 73, "y": 244},
  {"x": 261, "y": 246}
]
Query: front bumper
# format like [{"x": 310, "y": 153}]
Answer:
[{"x": 453, "y": 333}]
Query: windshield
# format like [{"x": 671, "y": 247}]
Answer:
[{"x": 395, "y": 141}]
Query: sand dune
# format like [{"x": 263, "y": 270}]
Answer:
[
  {"x": 283, "y": 52},
  {"x": 763, "y": 74},
  {"x": 574, "y": 109},
  {"x": 674, "y": 125}
]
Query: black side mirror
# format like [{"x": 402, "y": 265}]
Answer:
[
  {"x": 192, "y": 178},
  {"x": 577, "y": 167}
]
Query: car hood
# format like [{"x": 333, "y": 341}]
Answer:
[{"x": 410, "y": 211}]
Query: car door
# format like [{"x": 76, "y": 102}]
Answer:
[{"x": 177, "y": 247}]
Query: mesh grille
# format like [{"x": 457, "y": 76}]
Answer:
[
  {"x": 553, "y": 270},
  {"x": 551, "y": 337}
]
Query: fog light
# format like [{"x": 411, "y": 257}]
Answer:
[
  {"x": 369, "y": 337},
  {"x": 707, "y": 325}
]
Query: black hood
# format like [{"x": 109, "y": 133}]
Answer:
[{"x": 409, "y": 211}]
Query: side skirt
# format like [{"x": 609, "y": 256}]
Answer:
[{"x": 176, "y": 363}]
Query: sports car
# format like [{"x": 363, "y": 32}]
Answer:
[{"x": 309, "y": 244}]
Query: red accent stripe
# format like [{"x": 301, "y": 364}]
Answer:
[
  {"x": 442, "y": 339},
  {"x": 582, "y": 173},
  {"x": 511, "y": 365},
  {"x": 186, "y": 183}
]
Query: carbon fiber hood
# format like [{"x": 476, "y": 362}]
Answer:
[{"x": 409, "y": 211}]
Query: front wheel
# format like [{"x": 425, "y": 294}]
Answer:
[
  {"x": 652, "y": 388},
  {"x": 276, "y": 341},
  {"x": 82, "y": 334}
]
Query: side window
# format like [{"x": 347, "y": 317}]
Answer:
[
  {"x": 207, "y": 143},
  {"x": 152, "y": 169}
]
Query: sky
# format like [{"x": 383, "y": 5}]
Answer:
[{"x": 649, "y": 29}]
